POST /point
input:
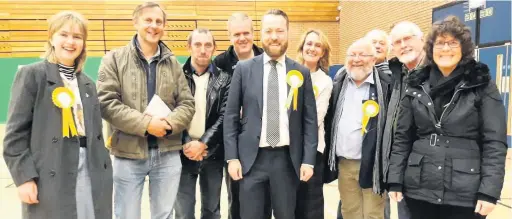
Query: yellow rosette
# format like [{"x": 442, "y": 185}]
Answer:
[
  {"x": 315, "y": 91},
  {"x": 295, "y": 79},
  {"x": 370, "y": 109},
  {"x": 63, "y": 98}
]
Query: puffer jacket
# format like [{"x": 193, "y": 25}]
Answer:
[{"x": 458, "y": 156}]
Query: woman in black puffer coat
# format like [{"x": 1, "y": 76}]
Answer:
[{"x": 449, "y": 151}]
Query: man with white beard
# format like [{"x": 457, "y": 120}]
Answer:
[
  {"x": 353, "y": 132},
  {"x": 407, "y": 45}
]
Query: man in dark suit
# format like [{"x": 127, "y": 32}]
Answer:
[{"x": 273, "y": 146}]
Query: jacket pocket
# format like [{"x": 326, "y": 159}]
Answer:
[
  {"x": 412, "y": 175},
  {"x": 466, "y": 175},
  {"x": 125, "y": 143}
]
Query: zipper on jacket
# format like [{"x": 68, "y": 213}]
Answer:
[
  {"x": 211, "y": 82},
  {"x": 438, "y": 123}
]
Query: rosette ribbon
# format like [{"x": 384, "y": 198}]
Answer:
[
  {"x": 370, "y": 109},
  {"x": 295, "y": 79},
  {"x": 63, "y": 98}
]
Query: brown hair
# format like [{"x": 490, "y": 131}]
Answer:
[
  {"x": 138, "y": 10},
  {"x": 452, "y": 26},
  {"x": 278, "y": 12},
  {"x": 200, "y": 30},
  {"x": 325, "y": 61},
  {"x": 55, "y": 23}
]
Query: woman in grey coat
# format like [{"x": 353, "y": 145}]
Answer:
[{"x": 53, "y": 143}]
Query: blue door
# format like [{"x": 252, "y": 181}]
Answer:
[
  {"x": 495, "y": 22},
  {"x": 498, "y": 59}
]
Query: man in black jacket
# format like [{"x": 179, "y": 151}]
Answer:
[
  {"x": 241, "y": 32},
  {"x": 241, "y": 36},
  {"x": 407, "y": 45},
  {"x": 352, "y": 146},
  {"x": 203, "y": 151}
]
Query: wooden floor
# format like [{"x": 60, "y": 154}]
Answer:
[{"x": 10, "y": 206}]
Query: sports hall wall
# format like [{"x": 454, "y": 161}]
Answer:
[
  {"x": 23, "y": 27},
  {"x": 359, "y": 17}
]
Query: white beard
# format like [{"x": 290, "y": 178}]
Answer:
[{"x": 409, "y": 57}]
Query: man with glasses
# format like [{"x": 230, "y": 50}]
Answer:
[
  {"x": 353, "y": 125},
  {"x": 407, "y": 45}
]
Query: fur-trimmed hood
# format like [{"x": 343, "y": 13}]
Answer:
[{"x": 475, "y": 73}]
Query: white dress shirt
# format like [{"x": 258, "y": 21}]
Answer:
[
  {"x": 349, "y": 138},
  {"x": 284, "y": 132},
  {"x": 198, "y": 123}
]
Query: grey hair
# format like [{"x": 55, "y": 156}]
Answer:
[
  {"x": 410, "y": 26},
  {"x": 380, "y": 32},
  {"x": 364, "y": 41}
]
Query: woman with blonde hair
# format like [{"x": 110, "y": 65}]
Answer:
[
  {"x": 53, "y": 144},
  {"x": 314, "y": 52}
]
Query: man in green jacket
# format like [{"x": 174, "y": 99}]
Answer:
[{"x": 144, "y": 144}]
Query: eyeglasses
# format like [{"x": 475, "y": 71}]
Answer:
[
  {"x": 359, "y": 55},
  {"x": 452, "y": 44}
]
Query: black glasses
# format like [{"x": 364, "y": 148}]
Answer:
[{"x": 452, "y": 44}]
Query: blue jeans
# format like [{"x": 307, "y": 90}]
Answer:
[
  {"x": 164, "y": 171},
  {"x": 84, "y": 205},
  {"x": 210, "y": 173}
]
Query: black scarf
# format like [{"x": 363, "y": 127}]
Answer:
[{"x": 442, "y": 88}]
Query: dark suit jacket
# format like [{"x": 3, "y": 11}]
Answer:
[{"x": 242, "y": 136}]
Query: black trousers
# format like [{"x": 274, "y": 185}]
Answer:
[
  {"x": 272, "y": 173},
  {"x": 310, "y": 198},
  {"x": 426, "y": 210},
  {"x": 233, "y": 189}
]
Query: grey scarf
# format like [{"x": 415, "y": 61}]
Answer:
[{"x": 380, "y": 122}]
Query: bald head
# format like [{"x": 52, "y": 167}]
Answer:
[
  {"x": 360, "y": 59},
  {"x": 380, "y": 41},
  {"x": 364, "y": 43}
]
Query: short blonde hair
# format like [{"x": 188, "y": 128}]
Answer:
[
  {"x": 325, "y": 61},
  {"x": 238, "y": 16},
  {"x": 55, "y": 23}
]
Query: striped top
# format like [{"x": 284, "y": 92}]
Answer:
[
  {"x": 70, "y": 81},
  {"x": 384, "y": 67},
  {"x": 68, "y": 72}
]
